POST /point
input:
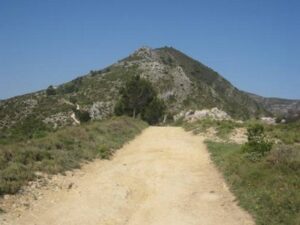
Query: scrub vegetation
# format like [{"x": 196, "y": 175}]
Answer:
[
  {"x": 264, "y": 178},
  {"x": 267, "y": 187},
  {"x": 63, "y": 150},
  {"x": 223, "y": 128}
]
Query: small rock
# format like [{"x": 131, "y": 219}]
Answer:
[
  {"x": 6, "y": 197},
  {"x": 38, "y": 174},
  {"x": 70, "y": 185}
]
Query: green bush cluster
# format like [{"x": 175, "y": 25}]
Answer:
[
  {"x": 50, "y": 91},
  {"x": 257, "y": 140},
  {"x": 138, "y": 98},
  {"x": 82, "y": 115}
]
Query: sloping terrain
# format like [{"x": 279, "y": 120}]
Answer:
[
  {"x": 278, "y": 106},
  {"x": 181, "y": 81},
  {"x": 170, "y": 181}
]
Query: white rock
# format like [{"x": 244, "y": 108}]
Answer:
[
  {"x": 101, "y": 110},
  {"x": 192, "y": 116},
  {"x": 6, "y": 197},
  {"x": 268, "y": 120}
]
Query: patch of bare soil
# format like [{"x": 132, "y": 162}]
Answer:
[{"x": 239, "y": 136}]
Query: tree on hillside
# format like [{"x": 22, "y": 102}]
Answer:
[
  {"x": 50, "y": 91},
  {"x": 154, "y": 111},
  {"x": 82, "y": 116},
  {"x": 138, "y": 97}
]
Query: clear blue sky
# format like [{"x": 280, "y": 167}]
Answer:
[{"x": 254, "y": 44}]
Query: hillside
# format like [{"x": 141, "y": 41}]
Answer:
[
  {"x": 278, "y": 106},
  {"x": 181, "y": 81}
]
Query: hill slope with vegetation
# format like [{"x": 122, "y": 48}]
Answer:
[
  {"x": 284, "y": 108},
  {"x": 181, "y": 82}
]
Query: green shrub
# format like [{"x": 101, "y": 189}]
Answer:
[
  {"x": 70, "y": 87},
  {"x": 50, "y": 91},
  {"x": 154, "y": 111},
  {"x": 257, "y": 141},
  {"x": 93, "y": 73},
  {"x": 120, "y": 108},
  {"x": 105, "y": 152},
  {"x": 13, "y": 177},
  {"x": 73, "y": 99},
  {"x": 82, "y": 115}
]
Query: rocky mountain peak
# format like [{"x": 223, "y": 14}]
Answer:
[
  {"x": 182, "y": 82},
  {"x": 144, "y": 53}
]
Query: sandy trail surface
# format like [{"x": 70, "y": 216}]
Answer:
[{"x": 163, "y": 177}]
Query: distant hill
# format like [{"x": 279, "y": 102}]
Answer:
[
  {"x": 182, "y": 82},
  {"x": 278, "y": 106}
]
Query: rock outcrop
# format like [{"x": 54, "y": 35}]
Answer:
[{"x": 192, "y": 116}]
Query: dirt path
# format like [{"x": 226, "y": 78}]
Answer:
[{"x": 163, "y": 177}]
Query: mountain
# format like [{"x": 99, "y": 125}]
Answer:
[
  {"x": 182, "y": 82},
  {"x": 278, "y": 106}
]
